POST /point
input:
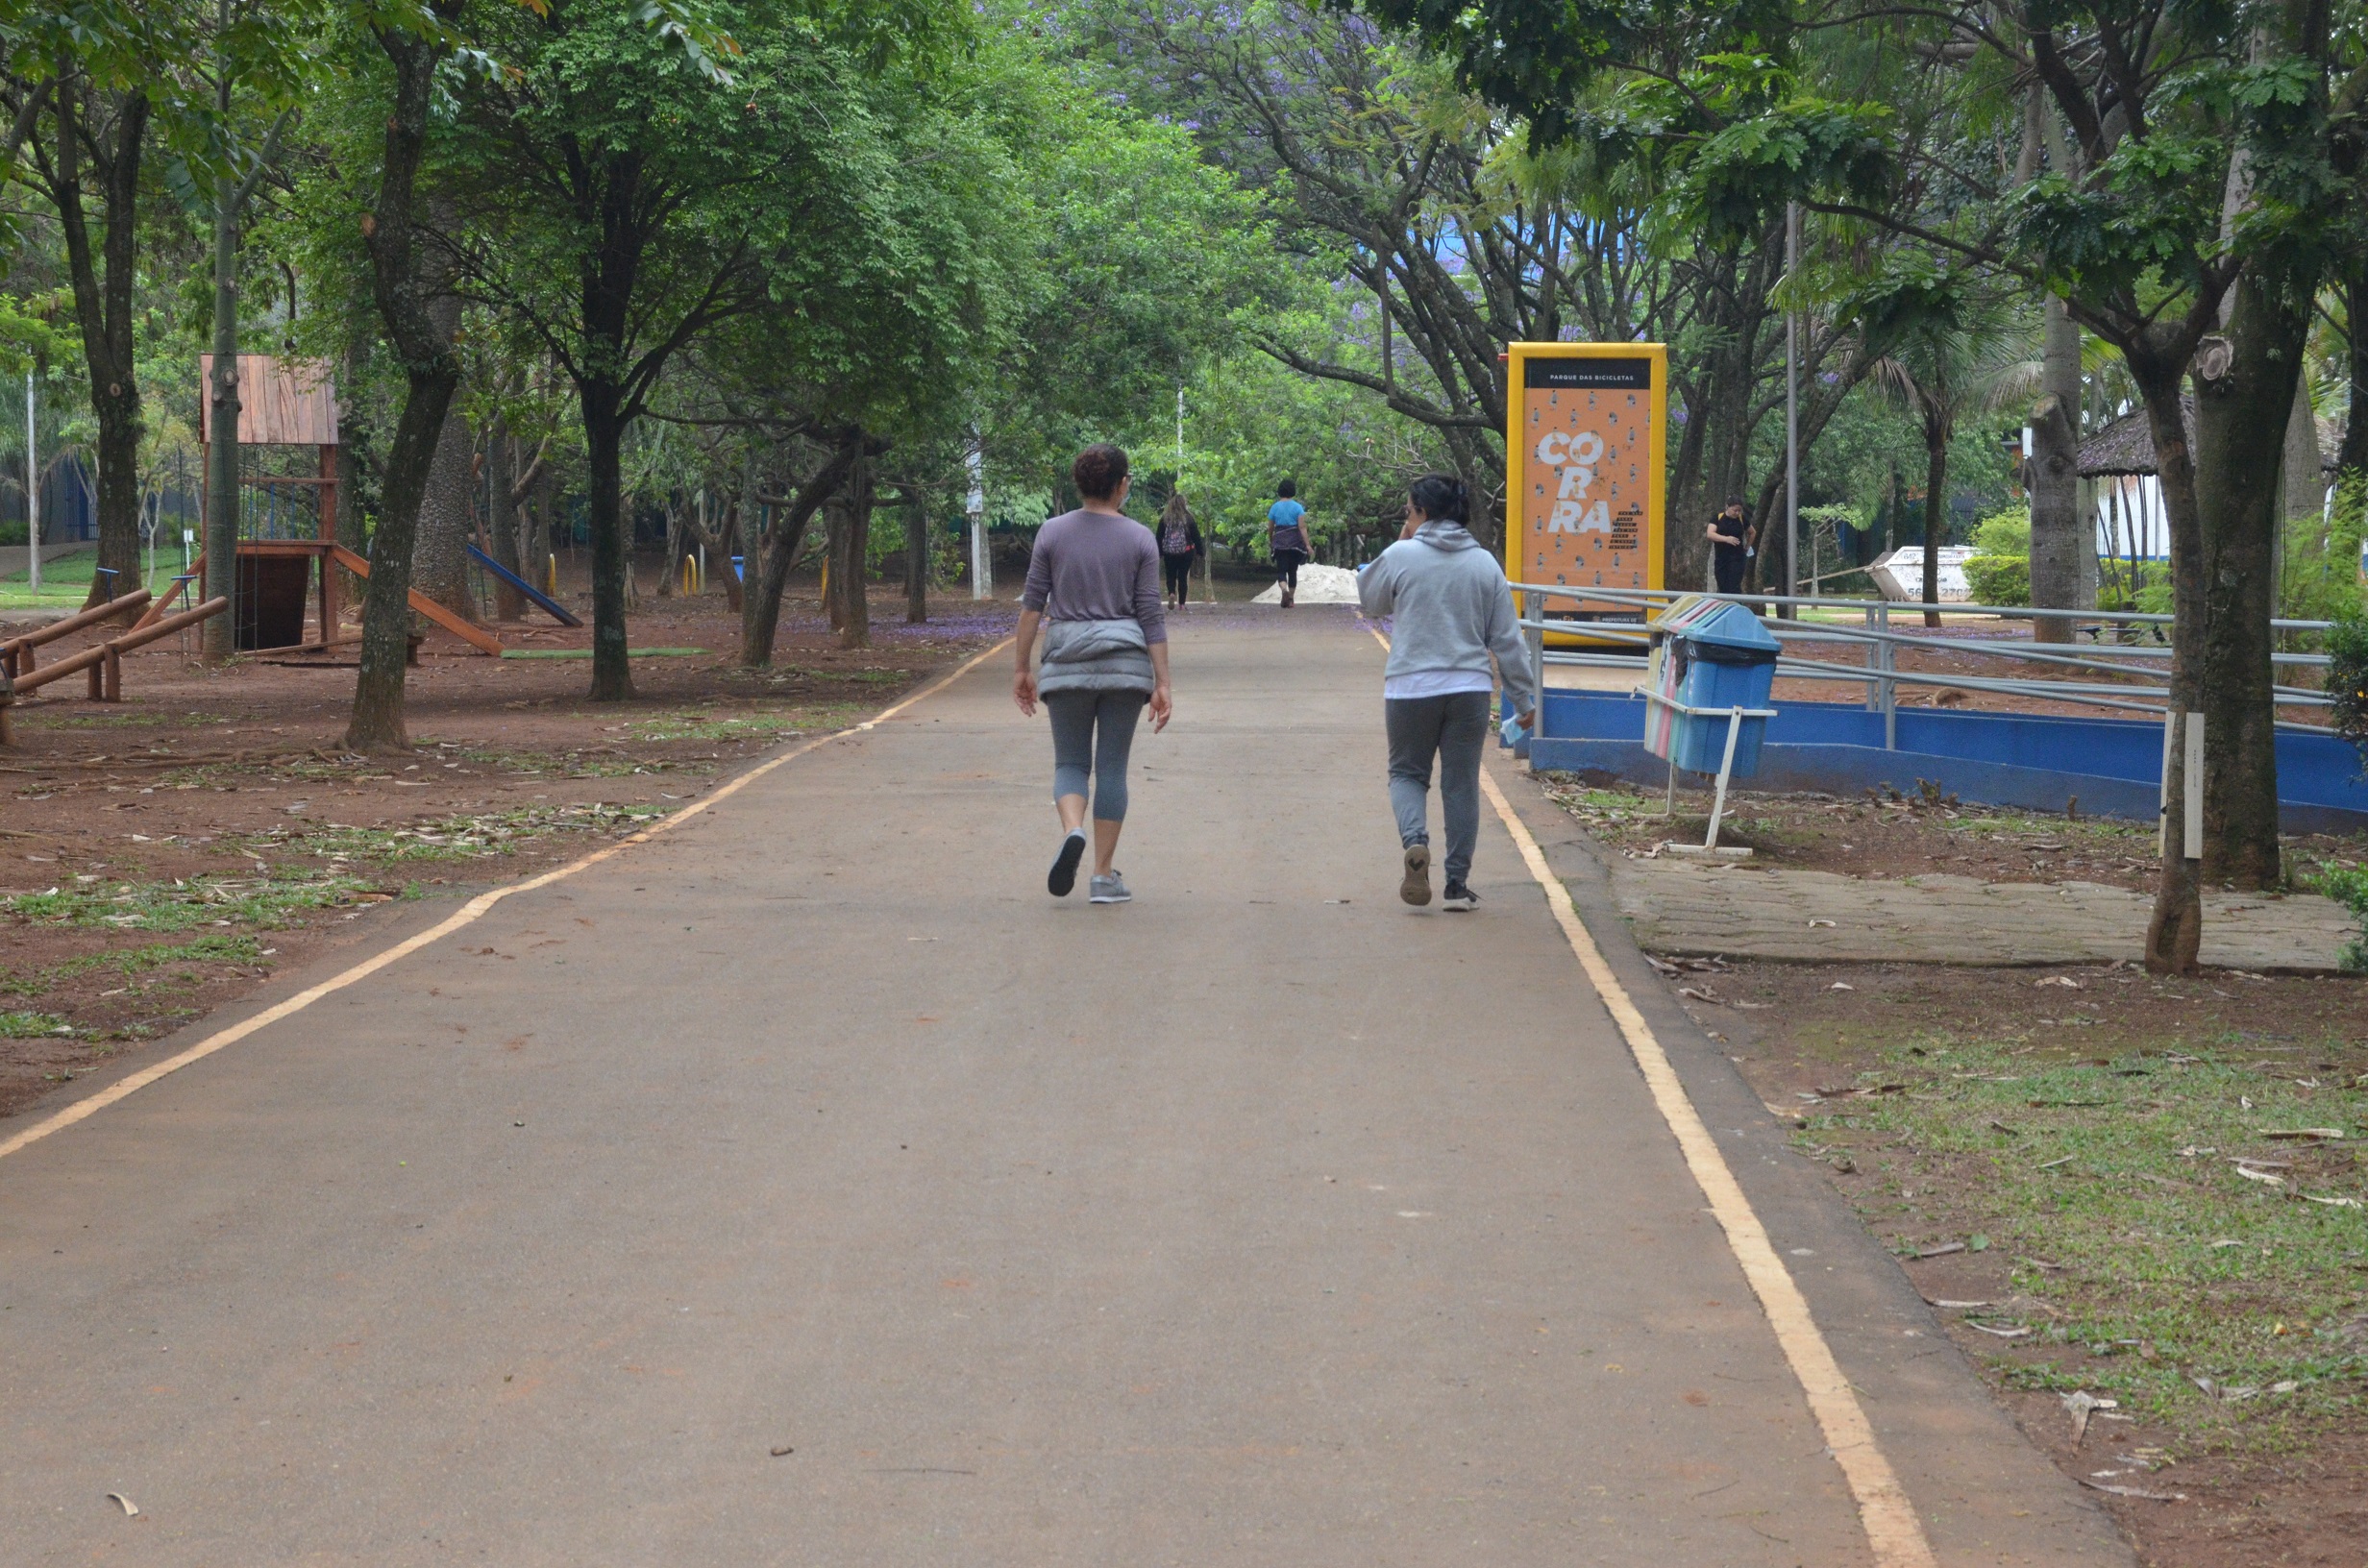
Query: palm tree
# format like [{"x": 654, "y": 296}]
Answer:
[{"x": 1954, "y": 348}]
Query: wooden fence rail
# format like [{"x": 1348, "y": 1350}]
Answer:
[{"x": 104, "y": 662}]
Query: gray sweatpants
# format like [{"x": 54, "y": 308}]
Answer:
[
  {"x": 1092, "y": 733},
  {"x": 1453, "y": 728}
]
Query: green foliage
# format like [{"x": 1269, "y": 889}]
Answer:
[
  {"x": 2347, "y": 678},
  {"x": 2005, "y": 534},
  {"x": 1998, "y": 580},
  {"x": 2321, "y": 578},
  {"x": 2348, "y": 886}
]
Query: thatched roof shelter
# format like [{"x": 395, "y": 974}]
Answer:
[{"x": 2127, "y": 446}]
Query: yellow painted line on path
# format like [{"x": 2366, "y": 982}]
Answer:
[
  {"x": 1889, "y": 1518},
  {"x": 467, "y": 914}
]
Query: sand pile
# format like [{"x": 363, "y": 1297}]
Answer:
[{"x": 1317, "y": 585}]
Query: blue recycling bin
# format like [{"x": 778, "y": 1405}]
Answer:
[{"x": 1710, "y": 654}]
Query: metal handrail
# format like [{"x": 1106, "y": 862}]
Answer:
[
  {"x": 1859, "y": 634},
  {"x": 1881, "y": 676},
  {"x": 2012, "y": 612}
]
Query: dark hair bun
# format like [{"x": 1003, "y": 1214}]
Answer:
[
  {"x": 1098, "y": 470},
  {"x": 1440, "y": 497}
]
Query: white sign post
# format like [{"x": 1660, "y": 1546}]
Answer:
[
  {"x": 33, "y": 492},
  {"x": 982, "y": 584}
]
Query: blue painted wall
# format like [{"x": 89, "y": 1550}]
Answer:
[{"x": 2113, "y": 766}]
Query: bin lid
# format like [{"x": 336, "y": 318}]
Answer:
[{"x": 1727, "y": 626}]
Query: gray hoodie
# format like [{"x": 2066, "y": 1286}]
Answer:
[{"x": 1452, "y": 609}]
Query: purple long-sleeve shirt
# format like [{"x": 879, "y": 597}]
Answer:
[{"x": 1097, "y": 566}]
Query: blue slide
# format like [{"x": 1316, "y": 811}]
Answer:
[{"x": 542, "y": 600}]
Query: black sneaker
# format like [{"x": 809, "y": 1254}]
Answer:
[
  {"x": 1064, "y": 875},
  {"x": 1459, "y": 897}
]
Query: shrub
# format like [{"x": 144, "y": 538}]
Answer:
[
  {"x": 2347, "y": 679},
  {"x": 1998, "y": 580},
  {"x": 2004, "y": 534},
  {"x": 2350, "y": 888}
]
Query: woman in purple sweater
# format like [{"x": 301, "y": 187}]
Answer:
[{"x": 1092, "y": 584}]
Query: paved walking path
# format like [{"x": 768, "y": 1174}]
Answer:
[{"x": 806, "y": 1187}]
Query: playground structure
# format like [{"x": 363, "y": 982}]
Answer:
[
  {"x": 289, "y": 549},
  {"x": 103, "y": 661}
]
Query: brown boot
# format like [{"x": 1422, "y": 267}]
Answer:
[{"x": 1287, "y": 599}]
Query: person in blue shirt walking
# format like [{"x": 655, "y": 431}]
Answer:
[
  {"x": 1450, "y": 609},
  {"x": 1287, "y": 539}
]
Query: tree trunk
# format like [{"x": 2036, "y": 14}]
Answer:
[
  {"x": 916, "y": 562},
  {"x": 1936, "y": 432},
  {"x": 539, "y": 553},
  {"x": 603, "y": 430},
  {"x": 103, "y": 306},
  {"x": 502, "y": 516},
  {"x": 219, "y": 637},
  {"x": 670, "y": 546},
  {"x": 2302, "y": 478},
  {"x": 430, "y": 373},
  {"x": 440, "y": 554},
  {"x": 760, "y": 611},
  {"x": 2352, "y": 456},
  {"x": 848, "y": 567},
  {"x": 2241, "y": 419},
  {"x": 2175, "y": 930},
  {"x": 2053, "y": 477}
]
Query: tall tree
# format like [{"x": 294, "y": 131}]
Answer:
[
  {"x": 621, "y": 202},
  {"x": 404, "y": 284},
  {"x": 95, "y": 74}
]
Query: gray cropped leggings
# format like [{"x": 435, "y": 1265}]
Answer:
[
  {"x": 1452, "y": 729},
  {"x": 1092, "y": 732}
]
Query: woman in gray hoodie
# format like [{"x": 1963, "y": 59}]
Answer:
[
  {"x": 1092, "y": 583},
  {"x": 1451, "y": 610}
]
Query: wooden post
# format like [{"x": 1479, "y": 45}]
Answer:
[
  {"x": 112, "y": 690},
  {"x": 328, "y": 506}
]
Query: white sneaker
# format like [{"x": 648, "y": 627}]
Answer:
[{"x": 1109, "y": 890}]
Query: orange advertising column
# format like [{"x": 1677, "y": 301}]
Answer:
[{"x": 1586, "y": 450}]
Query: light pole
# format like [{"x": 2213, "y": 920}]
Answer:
[
  {"x": 976, "y": 506},
  {"x": 33, "y": 492},
  {"x": 1793, "y": 413}
]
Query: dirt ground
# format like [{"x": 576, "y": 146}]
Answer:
[
  {"x": 2074, "y": 1165},
  {"x": 1895, "y": 835},
  {"x": 162, "y": 856}
]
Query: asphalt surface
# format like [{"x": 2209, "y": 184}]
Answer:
[{"x": 807, "y": 1188}]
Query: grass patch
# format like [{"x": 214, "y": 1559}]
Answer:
[
  {"x": 722, "y": 726},
  {"x": 490, "y": 836},
  {"x": 133, "y": 961},
  {"x": 267, "y": 902},
  {"x": 585, "y": 652},
  {"x": 30, "y": 1025},
  {"x": 2234, "y": 1305}
]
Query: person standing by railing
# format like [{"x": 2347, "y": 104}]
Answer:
[
  {"x": 1731, "y": 541},
  {"x": 1452, "y": 609}
]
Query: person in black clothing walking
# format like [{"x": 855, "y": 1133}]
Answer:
[
  {"x": 1731, "y": 540},
  {"x": 1179, "y": 544}
]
